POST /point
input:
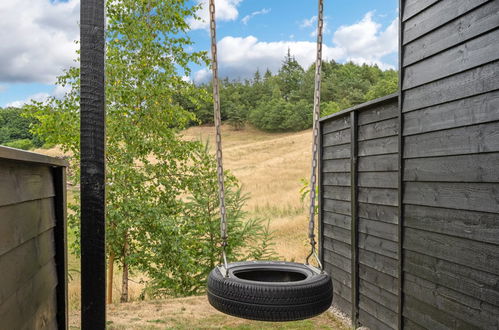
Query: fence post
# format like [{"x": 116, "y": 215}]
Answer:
[
  {"x": 92, "y": 133},
  {"x": 354, "y": 218}
]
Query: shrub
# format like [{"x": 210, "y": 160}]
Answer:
[{"x": 24, "y": 144}]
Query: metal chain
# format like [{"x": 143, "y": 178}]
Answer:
[
  {"x": 218, "y": 130},
  {"x": 315, "y": 130}
]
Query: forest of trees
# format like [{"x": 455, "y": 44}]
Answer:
[{"x": 284, "y": 101}]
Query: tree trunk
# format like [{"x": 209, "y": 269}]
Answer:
[
  {"x": 124, "y": 282},
  {"x": 110, "y": 273}
]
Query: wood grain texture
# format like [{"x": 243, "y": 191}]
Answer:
[
  {"x": 371, "y": 322},
  {"x": 336, "y": 138},
  {"x": 20, "y": 182},
  {"x": 339, "y": 220},
  {"x": 380, "y": 312},
  {"x": 441, "y": 13},
  {"x": 379, "y": 196},
  {"x": 336, "y": 124},
  {"x": 463, "y": 140},
  {"x": 378, "y": 212},
  {"x": 17, "y": 310},
  {"x": 426, "y": 316},
  {"x": 374, "y": 292},
  {"x": 379, "y": 163},
  {"x": 22, "y": 263},
  {"x": 336, "y": 152},
  {"x": 478, "y": 255},
  {"x": 379, "y": 279},
  {"x": 477, "y": 226},
  {"x": 92, "y": 164},
  {"x": 413, "y": 7},
  {"x": 469, "y": 111},
  {"x": 22, "y": 222},
  {"x": 379, "y": 112},
  {"x": 378, "y": 262},
  {"x": 473, "y": 24},
  {"x": 482, "y": 197},
  {"x": 378, "y": 129},
  {"x": 339, "y": 261},
  {"x": 342, "y": 304},
  {"x": 337, "y": 233},
  {"x": 378, "y": 245},
  {"x": 463, "y": 279},
  {"x": 334, "y": 179},
  {"x": 384, "y": 230},
  {"x": 335, "y": 165},
  {"x": 378, "y": 179},
  {"x": 473, "y": 53},
  {"x": 379, "y": 146},
  {"x": 338, "y": 247},
  {"x": 338, "y": 274},
  {"x": 462, "y": 85},
  {"x": 337, "y": 206},
  {"x": 460, "y": 307}
]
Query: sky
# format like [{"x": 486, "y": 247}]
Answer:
[{"x": 38, "y": 39}]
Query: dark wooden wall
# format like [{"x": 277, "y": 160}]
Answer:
[
  {"x": 359, "y": 169},
  {"x": 32, "y": 241},
  {"x": 410, "y": 193},
  {"x": 450, "y": 118}
]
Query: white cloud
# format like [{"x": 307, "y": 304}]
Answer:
[
  {"x": 247, "y": 18},
  {"x": 37, "y": 39},
  {"x": 366, "y": 42},
  {"x": 361, "y": 42},
  {"x": 240, "y": 57},
  {"x": 226, "y": 10},
  {"x": 308, "y": 22},
  {"x": 35, "y": 97}
]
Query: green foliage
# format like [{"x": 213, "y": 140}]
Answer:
[
  {"x": 195, "y": 235},
  {"x": 25, "y": 144},
  {"x": 150, "y": 169},
  {"x": 284, "y": 102},
  {"x": 15, "y": 129}
]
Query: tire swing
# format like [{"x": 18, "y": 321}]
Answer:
[{"x": 268, "y": 290}]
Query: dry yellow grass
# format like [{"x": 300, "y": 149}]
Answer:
[
  {"x": 269, "y": 166},
  {"x": 195, "y": 313}
]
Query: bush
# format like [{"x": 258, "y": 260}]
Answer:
[
  {"x": 24, "y": 144},
  {"x": 278, "y": 115}
]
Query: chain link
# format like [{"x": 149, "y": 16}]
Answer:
[
  {"x": 218, "y": 129},
  {"x": 315, "y": 130}
]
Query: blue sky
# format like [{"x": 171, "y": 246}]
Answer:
[{"x": 251, "y": 34}]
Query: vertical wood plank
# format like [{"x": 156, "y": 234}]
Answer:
[
  {"x": 92, "y": 132},
  {"x": 354, "y": 222},
  {"x": 400, "y": 251},
  {"x": 60, "y": 236}
]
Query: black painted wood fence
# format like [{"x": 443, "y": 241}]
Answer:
[{"x": 409, "y": 183}]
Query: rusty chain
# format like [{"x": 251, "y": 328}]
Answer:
[
  {"x": 218, "y": 130},
  {"x": 315, "y": 130}
]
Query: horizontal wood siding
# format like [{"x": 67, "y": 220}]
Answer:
[
  {"x": 376, "y": 210},
  {"x": 28, "y": 267},
  {"x": 450, "y": 120},
  {"x": 336, "y": 208}
]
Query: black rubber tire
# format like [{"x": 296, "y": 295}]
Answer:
[{"x": 270, "y": 301}]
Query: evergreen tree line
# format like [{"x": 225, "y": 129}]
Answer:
[{"x": 284, "y": 101}]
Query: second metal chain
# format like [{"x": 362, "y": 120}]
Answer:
[
  {"x": 315, "y": 132},
  {"x": 218, "y": 129}
]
